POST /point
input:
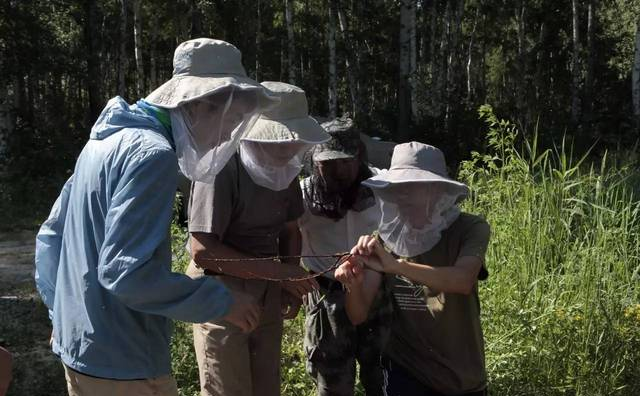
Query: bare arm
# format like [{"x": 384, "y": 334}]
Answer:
[
  {"x": 362, "y": 286},
  {"x": 459, "y": 278},
  {"x": 205, "y": 247}
]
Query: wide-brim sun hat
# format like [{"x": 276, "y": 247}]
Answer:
[
  {"x": 202, "y": 67},
  {"x": 289, "y": 120},
  {"x": 416, "y": 162}
]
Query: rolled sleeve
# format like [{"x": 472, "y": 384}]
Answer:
[{"x": 475, "y": 242}]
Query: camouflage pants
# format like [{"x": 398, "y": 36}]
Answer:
[{"x": 333, "y": 344}]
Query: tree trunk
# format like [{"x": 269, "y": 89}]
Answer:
[
  {"x": 575, "y": 67},
  {"x": 413, "y": 61},
  {"x": 93, "y": 68},
  {"x": 291, "y": 57},
  {"x": 137, "y": 36},
  {"x": 440, "y": 69},
  {"x": 470, "y": 55},
  {"x": 282, "y": 60},
  {"x": 407, "y": 50},
  {"x": 196, "y": 20},
  {"x": 521, "y": 62},
  {"x": 153, "y": 68},
  {"x": 451, "y": 62},
  {"x": 350, "y": 62},
  {"x": 122, "y": 70},
  {"x": 635, "y": 79},
  {"x": 588, "y": 85},
  {"x": 258, "y": 39},
  {"x": 539, "y": 83},
  {"x": 7, "y": 125},
  {"x": 331, "y": 37}
]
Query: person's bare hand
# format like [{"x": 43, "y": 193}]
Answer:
[
  {"x": 299, "y": 288},
  {"x": 244, "y": 312},
  {"x": 350, "y": 273},
  {"x": 371, "y": 253},
  {"x": 290, "y": 305}
]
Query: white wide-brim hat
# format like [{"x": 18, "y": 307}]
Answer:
[
  {"x": 289, "y": 120},
  {"x": 416, "y": 162},
  {"x": 202, "y": 67}
]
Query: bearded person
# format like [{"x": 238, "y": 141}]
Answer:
[{"x": 337, "y": 210}]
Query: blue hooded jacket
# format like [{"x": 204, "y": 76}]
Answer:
[{"x": 103, "y": 257}]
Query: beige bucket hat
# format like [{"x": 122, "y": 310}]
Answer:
[
  {"x": 289, "y": 120},
  {"x": 416, "y": 162},
  {"x": 202, "y": 67}
]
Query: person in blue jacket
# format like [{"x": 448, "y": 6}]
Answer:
[{"x": 103, "y": 257}]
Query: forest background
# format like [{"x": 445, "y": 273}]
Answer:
[{"x": 553, "y": 160}]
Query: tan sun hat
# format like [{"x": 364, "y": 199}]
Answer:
[
  {"x": 415, "y": 162},
  {"x": 202, "y": 67},
  {"x": 289, "y": 120}
]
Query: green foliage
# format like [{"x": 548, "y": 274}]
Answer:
[{"x": 560, "y": 309}]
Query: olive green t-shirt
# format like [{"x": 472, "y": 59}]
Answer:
[
  {"x": 437, "y": 336},
  {"x": 242, "y": 214}
]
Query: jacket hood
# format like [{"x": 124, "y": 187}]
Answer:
[{"x": 118, "y": 114}]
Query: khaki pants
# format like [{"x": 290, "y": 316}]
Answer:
[
  {"x": 84, "y": 385},
  {"x": 232, "y": 363}
]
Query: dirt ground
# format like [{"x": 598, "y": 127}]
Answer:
[{"x": 24, "y": 324}]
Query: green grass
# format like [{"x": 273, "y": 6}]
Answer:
[{"x": 561, "y": 308}]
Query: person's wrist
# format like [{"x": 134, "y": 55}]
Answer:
[{"x": 395, "y": 266}]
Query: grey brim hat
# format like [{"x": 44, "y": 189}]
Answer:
[
  {"x": 415, "y": 163},
  {"x": 344, "y": 144},
  {"x": 287, "y": 121},
  {"x": 304, "y": 129},
  {"x": 327, "y": 155},
  {"x": 202, "y": 67},
  {"x": 182, "y": 89}
]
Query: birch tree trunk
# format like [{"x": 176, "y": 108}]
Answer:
[
  {"x": 153, "y": 68},
  {"x": 122, "y": 69},
  {"x": 588, "y": 84},
  {"x": 635, "y": 79},
  {"x": 413, "y": 60},
  {"x": 470, "y": 55},
  {"x": 93, "y": 68},
  {"x": 137, "y": 36},
  {"x": 7, "y": 124},
  {"x": 333, "y": 81},
  {"x": 521, "y": 61},
  {"x": 451, "y": 62},
  {"x": 258, "y": 39},
  {"x": 539, "y": 83},
  {"x": 440, "y": 67},
  {"x": 350, "y": 62},
  {"x": 291, "y": 57},
  {"x": 196, "y": 20},
  {"x": 407, "y": 51},
  {"x": 575, "y": 66}
]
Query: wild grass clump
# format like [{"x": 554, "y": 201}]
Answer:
[{"x": 561, "y": 309}]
